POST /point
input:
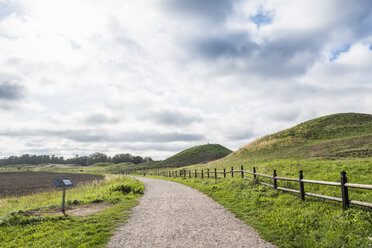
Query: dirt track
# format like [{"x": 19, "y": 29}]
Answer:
[{"x": 175, "y": 215}]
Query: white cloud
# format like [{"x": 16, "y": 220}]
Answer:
[{"x": 176, "y": 74}]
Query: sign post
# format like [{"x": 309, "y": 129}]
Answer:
[{"x": 63, "y": 183}]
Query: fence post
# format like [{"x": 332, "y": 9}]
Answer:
[
  {"x": 202, "y": 174},
  {"x": 208, "y": 172},
  {"x": 196, "y": 174},
  {"x": 172, "y": 173},
  {"x": 344, "y": 190},
  {"x": 241, "y": 167},
  {"x": 302, "y": 188},
  {"x": 189, "y": 173},
  {"x": 215, "y": 173},
  {"x": 275, "y": 180},
  {"x": 232, "y": 172},
  {"x": 254, "y": 172},
  {"x": 224, "y": 173}
]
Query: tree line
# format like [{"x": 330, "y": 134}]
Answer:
[{"x": 96, "y": 157}]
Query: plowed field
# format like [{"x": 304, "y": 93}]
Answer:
[{"x": 25, "y": 183}]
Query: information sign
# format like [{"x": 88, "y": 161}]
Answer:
[{"x": 62, "y": 182}]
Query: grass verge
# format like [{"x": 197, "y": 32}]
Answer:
[
  {"x": 284, "y": 220},
  {"x": 18, "y": 230}
]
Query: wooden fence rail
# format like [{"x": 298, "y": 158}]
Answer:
[{"x": 343, "y": 184}]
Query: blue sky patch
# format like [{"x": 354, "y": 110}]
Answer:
[
  {"x": 261, "y": 19},
  {"x": 5, "y": 9},
  {"x": 336, "y": 53},
  {"x": 370, "y": 47}
]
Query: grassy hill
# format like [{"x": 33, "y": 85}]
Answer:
[
  {"x": 332, "y": 137},
  {"x": 338, "y": 135},
  {"x": 195, "y": 155}
]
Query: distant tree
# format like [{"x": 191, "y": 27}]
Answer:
[
  {"x": 96, "y": 157},
  {"x": 84, "y": 160},
  {"x": 137, "y": 160},
  {"x": 122, "y": 157},
  {"x": 148, "y": 159}
]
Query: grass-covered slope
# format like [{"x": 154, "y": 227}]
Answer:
[
  {"x": 195, "y": 155},
  {"x": 335, "y": 136},
  {"x": 338, "y": 135}
]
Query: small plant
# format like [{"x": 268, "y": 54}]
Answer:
[{"x": 125, "y": 189}]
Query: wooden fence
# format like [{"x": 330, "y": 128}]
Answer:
[{"x": 343, "y": 184}]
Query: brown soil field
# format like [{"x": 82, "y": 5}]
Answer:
[{"x": 26, "y": 183}]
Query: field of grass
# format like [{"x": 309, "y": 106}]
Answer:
[
  {"x": 99, "y": 168},
  {"x": 358, "y": 171},
  {"x": 18, "y": 229},
  {"x": 283, "y": 219}
]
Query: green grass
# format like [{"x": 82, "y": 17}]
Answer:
[
  {"x": 18, "y": 230},
  {"x": 286, "y": 221},
  {"x": 358, "y": 171}
]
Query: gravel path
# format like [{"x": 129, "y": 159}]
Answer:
[{"x": 174, "y": 215}]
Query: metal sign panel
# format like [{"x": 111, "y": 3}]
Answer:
[{"x": 62, "y": 182}]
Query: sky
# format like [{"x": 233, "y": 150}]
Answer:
[{"x": 153, "y": 77}]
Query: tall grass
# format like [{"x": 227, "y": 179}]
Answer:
[{"x": 19, "y": 230}]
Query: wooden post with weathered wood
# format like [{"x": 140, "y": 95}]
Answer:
[
  {"x": 254, "y": 172},
  {"x": 232, "y": 172},
  {"x": 63, "y": 200},
  {"x": 275, "y": 180},
  {"x": 344, "y": 191},
  {"x": 302, "y": 187},
  {"x": 196, "y": 174},
  {"x": 208, "y": 172},
  {"x": 224, "y": 173},
  {"x": 202, "y": 174},
  {"x": 242, "y": 169},
  {"x": 189, "y": 173},
  {"x": 215, "y": 173}
]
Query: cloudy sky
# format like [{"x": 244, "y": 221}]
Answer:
[{"x": 153, "y": 77}]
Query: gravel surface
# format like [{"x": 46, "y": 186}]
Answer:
[{"x": 174, "y": 215}]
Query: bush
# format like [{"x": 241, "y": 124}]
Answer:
[{"x": 127, "y": 188}]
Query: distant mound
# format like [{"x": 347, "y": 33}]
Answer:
[
  {"x": 347, "y": 135},
  {"x": 195, "y": 155}
]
